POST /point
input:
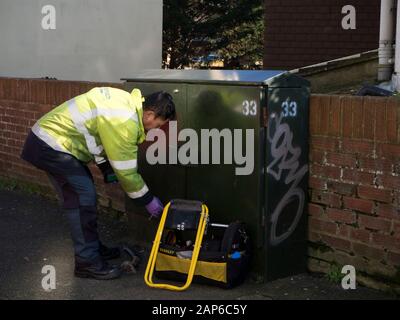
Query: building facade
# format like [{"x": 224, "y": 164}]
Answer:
[
  {"x": 91, "y": 40},
  {"x": 300, "y": 33}
]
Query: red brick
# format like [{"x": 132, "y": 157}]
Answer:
[
  {"x": 391, "y": 119},
  {"x": 336, "y": 243},
  {"x": 315, "y": 210},
  {"x": 21, "y": 121},
  {"x": 326, "y": 171},
  {"x": 388, "y": 242},
  {"x": 62, "y": 91},
  {"x": 89, "y": 86},
  {"x": 396, "y": 168},
  {"x": 366, "y": 206},
  {"x": 11, "y": 109},
  {"x": 356, "y": 176},
  {"x": 41, "y": 109},
  {"x": 368, "y": 252},
  {"x": 375, "y": 223},
  {"x": 325, "y": 144},
  {"x": 372, "y": 193},
  {"x": 11, "y": 142},
  {"x": 21, "y": 129},
  {"x": 335, "y": 115},
  {"x": 75, "y": 89},
  {"x": 342, "y": 160},
  {"x": 7, "y": 119},
  {"x": 396, "y": 229},
  {"x": 389, "y": 151},
  {"x": 38, "y": 91},
  {"x": 23, "y": 90},
  {"x": 387, "y": 181},
  {"x": 327, "y": 198},
  {"x": 381, "y": 123},
  {"x": 376, "y": 165},
  {"x": 341, "y": 215},
  {"x": 357, "y": 112},
  {"x": 51, "y": 92},
  {"x": 343, "y": 231},
  {"x": 322, "y": 226},
  {"x": 317, "y": 183},
  {"x": 369, "y": 116},
  {"x": 313, "y": 236},
  {"x": 2, "y": 95},
  {"x": 388, "y": 211},
  {"x": 394, "y": 258},
  {"x": 314, "y": 114},
  {"x": 347, "y": 117},
  {"x": 11, "y": 127},
  {"x": 10, "y": 89},
  {"x": 360, "y": 235},
  {"x": 29, "y": 115},
  {"x": 396, "y": 194},
  {"x": 317, "y": 156},
  {"x": 358, "y": 147},
  {"x": 16, "y": 135}
]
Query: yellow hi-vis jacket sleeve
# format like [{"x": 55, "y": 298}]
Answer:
[{"x": 119, "y": 132}]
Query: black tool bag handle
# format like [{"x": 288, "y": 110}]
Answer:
[{"x": 184, "y": 215}]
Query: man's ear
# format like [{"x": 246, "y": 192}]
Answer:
[{"x": 149, "y": 113}]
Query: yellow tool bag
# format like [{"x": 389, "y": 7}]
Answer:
[{"x": 188, "y": 248}]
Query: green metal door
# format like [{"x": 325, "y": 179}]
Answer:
[
  {"x": 166, "y": 181},
  {"x": 229, "y": 196},
  {"x": 286, "y": 181}
]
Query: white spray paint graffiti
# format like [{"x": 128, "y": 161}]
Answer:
[{"x": 285, "y": 158}]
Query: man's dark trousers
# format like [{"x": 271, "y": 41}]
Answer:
[{"x": 75, "y": 187}]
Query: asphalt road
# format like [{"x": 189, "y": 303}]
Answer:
[{"x": 34, "y": 233}]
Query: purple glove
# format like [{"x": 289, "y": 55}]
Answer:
[{"x": 154, "y": 207}]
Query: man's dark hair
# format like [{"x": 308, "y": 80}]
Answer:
[{"x": 162, "y": 104}]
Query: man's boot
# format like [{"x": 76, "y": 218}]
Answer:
[
  {"x": 97, "y": 269},
  {"x": 108, "y": 253}
]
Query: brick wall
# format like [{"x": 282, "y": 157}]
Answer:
[
  {"x": 354, "y": 215},
  {"x": 22, "y": 102},
  {"x": 302, "y": 33},
  {"x": 355, "y": 186}
]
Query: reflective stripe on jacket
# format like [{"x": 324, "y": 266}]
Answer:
[{"x": 102, "y": 123}]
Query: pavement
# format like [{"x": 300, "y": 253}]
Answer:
[{"x": 34, "y": 233}]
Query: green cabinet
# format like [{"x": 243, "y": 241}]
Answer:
[{"x": 256, "y": 171}]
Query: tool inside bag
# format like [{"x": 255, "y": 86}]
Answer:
[{"x": 188, "y": 248}]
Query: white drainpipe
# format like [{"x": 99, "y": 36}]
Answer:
[
  {"x": 396, "y": 76},
  {"x": 386, "y": 40}
]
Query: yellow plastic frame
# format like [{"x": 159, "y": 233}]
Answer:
[{"x": 148, "y": 276}]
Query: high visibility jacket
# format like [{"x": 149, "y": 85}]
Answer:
[{"x": 102, "y": 123}]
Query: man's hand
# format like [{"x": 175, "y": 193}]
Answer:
[
  {"x": 108, "y": 172},
  {"x": 154, "y": 208}
]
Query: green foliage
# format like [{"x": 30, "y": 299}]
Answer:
[
  {"x": 335, "y": 274},
  {"x": 8, "y": 184},
  {"x": 242, "y": 46},
  {"x": 231, "y": 28},
  {"x": 11, "y": 184}
]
